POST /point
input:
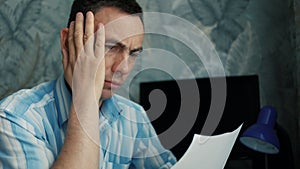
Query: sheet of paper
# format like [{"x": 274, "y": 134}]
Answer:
[{"x": 208, "y": 152}]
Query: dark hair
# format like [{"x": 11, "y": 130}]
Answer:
[{"x": 128, "y": 6}]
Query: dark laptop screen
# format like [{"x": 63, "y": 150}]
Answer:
[{"x": 241, "y": 106}]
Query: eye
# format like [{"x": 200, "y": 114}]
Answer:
[
  {"x": 109, "y": 46},
  {"x": 112, "y": 48},
  {"x": 134, "y": 54}
]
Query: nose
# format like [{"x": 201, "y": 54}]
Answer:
[{"x": 121, "y": 63}]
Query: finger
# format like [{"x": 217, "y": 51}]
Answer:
[
  {"x": 99, "y": 43},
  {"x": 72, "y": 54},
  {"x": 64, "y": 60},
  {"x": 78, "y": 33},
  {"x": 64, "y": 46},
  {"x": 71, "y": 57},
  {"x": 68, "y": 74},
  {"x": 89, "y": 34}
]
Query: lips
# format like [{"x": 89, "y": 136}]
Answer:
[{"x": 112, "y": 84}]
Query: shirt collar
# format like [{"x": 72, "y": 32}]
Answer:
[
  {"x": 110, "y": 109},
  {"x": 63, "y": 97}
]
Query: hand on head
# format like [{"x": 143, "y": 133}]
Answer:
[{"x": 83, "y": 57}]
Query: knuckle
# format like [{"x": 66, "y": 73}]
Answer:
[
  {"x": 70, "y": 38},
  {"x": 85, "y": 38},
  {"x": 77, "y": 34},
  {"x": 89, "y": 34},
  {"x": 78, "y": 48},
  {"x": 99, "y": 44},
  {"x": 70, "y": 35}
]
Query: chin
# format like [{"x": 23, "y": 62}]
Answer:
[{"x": 106, "y": 94}]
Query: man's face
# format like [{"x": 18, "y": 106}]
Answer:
[{"x": 123, "y": 42}]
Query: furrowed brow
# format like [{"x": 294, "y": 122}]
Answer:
[{"x": 115, "y": 42}]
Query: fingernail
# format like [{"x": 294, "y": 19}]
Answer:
[
  {"x": 89, "y": 13},
  {"x": 100, "y": 26},
  {"x": 79, "y": 14}
]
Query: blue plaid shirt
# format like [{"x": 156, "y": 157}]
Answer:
[{"x": 33, "y": 125}]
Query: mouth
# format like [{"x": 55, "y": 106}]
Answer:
[{"x": 112, "y": 84}]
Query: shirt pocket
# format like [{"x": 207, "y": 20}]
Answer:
[{"x": 112, "y": 165}]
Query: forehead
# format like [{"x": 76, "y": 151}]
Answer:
[{"x": 118, "y": 24}]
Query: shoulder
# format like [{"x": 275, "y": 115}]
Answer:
[
  {"x": 23, "y": 100},
  {"x": 25, "y": 107}
]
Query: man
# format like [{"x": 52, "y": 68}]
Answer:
[{"x": 77, "y": 121}]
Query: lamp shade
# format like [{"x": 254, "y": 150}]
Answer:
[{"x": 261, "y": 136}]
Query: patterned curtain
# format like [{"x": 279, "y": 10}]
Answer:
[
  {"x": 29, "y": 40},
  {"x": 250, "y": 36}
]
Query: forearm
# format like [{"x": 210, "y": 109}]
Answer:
[
  {"x": 86, "y": 78},
  {"x": 81, "y": 146}
]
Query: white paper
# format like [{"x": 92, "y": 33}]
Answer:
[{"x": 208, "y": 152}]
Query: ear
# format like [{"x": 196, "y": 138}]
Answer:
[{"x": 64, "y": 45}]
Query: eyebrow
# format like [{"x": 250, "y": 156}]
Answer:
[{"x": 118, "y": 43}]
